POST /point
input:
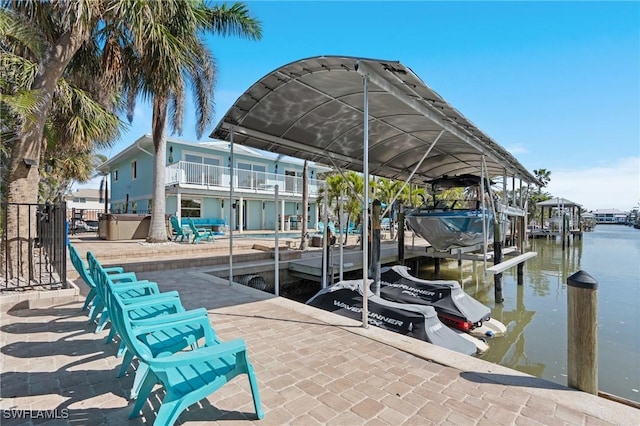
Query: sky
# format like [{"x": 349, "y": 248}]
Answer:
[{"x": 555, "y": 83}]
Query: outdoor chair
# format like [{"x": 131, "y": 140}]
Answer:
[
  {"x": 179, "y": 231},
  {"x": 320, "y": 227},
  {"x": 166, "y": 313},
  {"x": 117, "y": 275},
  {"x": 199, "y": 233},
  {"x": 187, "y": 376},
  {"x": 140, "y": 291},
  {"x": 83, "y": 272}
]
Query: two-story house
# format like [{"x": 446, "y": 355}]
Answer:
[{"x": 197, "y": 183}]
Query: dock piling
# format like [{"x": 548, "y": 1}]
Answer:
[{"x": 582, "y": 332}]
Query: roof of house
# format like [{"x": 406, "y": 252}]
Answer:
[
  {"x": 89, "y": 193},
  {"x": 145, "y": 143}
]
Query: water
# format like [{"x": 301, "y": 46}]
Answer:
[{"x": 536, "y": 312}]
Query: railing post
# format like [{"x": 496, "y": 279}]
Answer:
[{"x": 582, "y": 332}]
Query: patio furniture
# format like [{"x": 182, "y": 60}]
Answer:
[
  {"x": 187, "y": 376},
  {"x": 83, "y": 271},
  {"x": 199, "y": 233},
  {"x": 179, "y": 231}
]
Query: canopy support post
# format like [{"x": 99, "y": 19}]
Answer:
[
  {"x": 231, "y": 207},
  {"x": 365, "y": 209}
]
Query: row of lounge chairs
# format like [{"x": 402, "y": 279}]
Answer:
[{"x": 176, "y": 348}]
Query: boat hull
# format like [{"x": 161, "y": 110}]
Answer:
[{"x": 447, "y": 230}]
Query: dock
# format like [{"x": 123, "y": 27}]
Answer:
[{"x": 311, "y": 268}]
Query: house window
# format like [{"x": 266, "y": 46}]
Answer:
[
  {"x": 114, "y": 175},
  {"x": 202, "y": 170},
  {"x": 251, "y": 176},
  {"x": 291, "y": 183},
  {"x": 134, "y": 170},
  {"x": 150, "y": 206},
  {"x": 79, "y": 200},
  {"x": 191, "y": 207},
  {"x": 134, "y": 207}
]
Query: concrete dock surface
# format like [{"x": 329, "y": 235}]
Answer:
[{"x": 313, "y": 367}]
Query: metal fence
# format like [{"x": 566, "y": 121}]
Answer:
[{"x": 33, "y": 251}]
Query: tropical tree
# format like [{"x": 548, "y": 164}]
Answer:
[
  {"x": 385, "y": 191},
  {"x": 51, "y": 103},
  {"x": 164, "y": 56}
]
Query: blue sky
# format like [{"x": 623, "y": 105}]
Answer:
[{"x": 556, "y": 83}]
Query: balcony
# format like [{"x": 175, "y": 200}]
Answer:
[{"x": 202, "y": 176}]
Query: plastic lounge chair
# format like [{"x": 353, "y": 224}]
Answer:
[
  {"x": 172, "y": 334},
  {"x": 117, "y": 275},
  {"x": 187, "y": 376},
  {"x": 320, "y": 227},
  {"x": 129, "y": 289},
  {"x": 83, "y": 271},
  {"x": 199, "y": 233},
  {"x": 179, "y": 231},
  {"x": 351, "y": 228},
  {"x": 332, "y": 228}
]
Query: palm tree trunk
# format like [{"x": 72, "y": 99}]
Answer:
[
  {"x": 24, "y": 176},
  {"x": 305, "y": 206},
  {"x": 158, "y": 226}
]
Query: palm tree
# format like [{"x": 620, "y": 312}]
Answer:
[
  {"x": 53, "y": 108},
  {"x": 164, "y": 56}
]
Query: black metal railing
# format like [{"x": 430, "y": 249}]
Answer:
[{"x": 33, "y": 249}]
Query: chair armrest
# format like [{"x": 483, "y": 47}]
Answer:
[
  {"x": 153, "y": 299},
  {"x": 170, "y": 318},
  {"x": 179, "y": 319},
  {"x": 150, "y": 286},
  {"x": 114, "y": 270},
  {"x": 123, "y": 277},
  {"x": 206, "y": 353}
]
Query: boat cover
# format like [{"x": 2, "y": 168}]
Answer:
[
  {"x": 446, "y": 296},
  {"x": 418, "y": 321}
]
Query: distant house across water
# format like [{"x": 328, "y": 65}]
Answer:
[
  {"x": 611, "y": 216},
  {"x": 197, "y": 183}
]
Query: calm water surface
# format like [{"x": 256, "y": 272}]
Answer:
[{"x": 536, "y": 312}]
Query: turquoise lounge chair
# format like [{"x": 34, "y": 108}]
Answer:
[
  {"x": 179, "y": 231},
  {"x": 199, "y": 233},
  {"x": 187, "y": 376},
  {"x": 164, "y": 311},
  {"x": 83, "y": 272}
]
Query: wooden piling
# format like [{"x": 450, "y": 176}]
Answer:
[
  {"x": 497, "y": 258},
  {"x": 582, "y": 332}
]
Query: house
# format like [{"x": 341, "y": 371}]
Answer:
[
  {"x": 85, "y": 203},
  {"x": 197, "y": 183},
  {"x": 610, "y": 216}
]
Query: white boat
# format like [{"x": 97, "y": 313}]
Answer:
[{"x": 450, "y": 224}]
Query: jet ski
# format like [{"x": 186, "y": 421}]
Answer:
[
  {"x": 415, "y": 320},
  {"x": 455, "y": 308}
]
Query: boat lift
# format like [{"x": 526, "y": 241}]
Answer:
[{"x": 371, "y": 116}]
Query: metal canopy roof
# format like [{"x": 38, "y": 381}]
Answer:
[{"x": 313, "y": 109}]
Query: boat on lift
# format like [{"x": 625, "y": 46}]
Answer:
[
  {"x": 451, "y": 224},
  {"x": 416, "y": 320},
  {"x": 454, "y": 307}
]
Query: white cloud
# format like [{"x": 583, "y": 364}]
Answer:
[{"x": 615, "y": 186}]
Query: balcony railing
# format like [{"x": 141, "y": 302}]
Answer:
[{"x": 217, "y": 177}]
